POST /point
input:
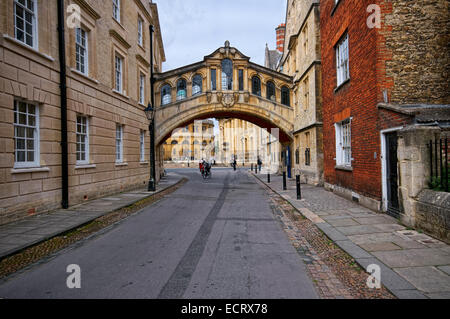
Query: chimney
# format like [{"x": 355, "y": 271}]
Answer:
[{"x": 281, "y": 31}]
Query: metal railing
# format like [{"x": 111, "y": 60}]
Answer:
[{"x": 439, "y": 165}]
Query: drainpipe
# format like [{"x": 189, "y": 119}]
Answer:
[{"x": 63, "y": 87}]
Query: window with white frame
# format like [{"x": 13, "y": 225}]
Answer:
[
  {"x": 342, "y": 63},
  {"x": 82, "y": 140},
  {"x": 119, "y": 143},
  {"x": 81, "y": 48},
  {"x": 116, "y": 9},
  {"x": 141, "y": 88},
  {"x": 119, "y": 73},
  {"x": 25, "y": 17},
  {"x": 344, "y": 143},
  {"x": 26, "y": 134},
  {"x": 140, "y": 31},
  {"x": 142, "y": 146}
]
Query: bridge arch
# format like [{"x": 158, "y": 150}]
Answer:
[{"x": 221, "y": 102}]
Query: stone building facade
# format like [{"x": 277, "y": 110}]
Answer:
[
  {"x": 302, "y": 60},
  {"x": 381, "y": 62},
  {"x": 108, "y": 88},
  {"x": 193, "y": 142}
]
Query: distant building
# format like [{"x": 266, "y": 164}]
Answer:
[
  {"x": 246, "y": 142},
  {"x": 272, "y": 57},
  {"x": 191, "y": 143}
]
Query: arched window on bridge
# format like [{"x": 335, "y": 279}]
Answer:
[
  {"x": 181, "y": 89},
  {"x": 256, "y": 85},
  {"x": 227, "y": 74},
  {"x": 174, "y": 142},
  {"x": 270, "y": 87},
  {"x": 285, "y": 96},
  {"x": 197, "y": 85},
  {"x": 166, "y": 96}
]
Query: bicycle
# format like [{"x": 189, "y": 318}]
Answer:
[{"x": 206, "y": 172}]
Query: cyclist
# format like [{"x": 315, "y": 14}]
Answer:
[{"x": 205, "y": 168}]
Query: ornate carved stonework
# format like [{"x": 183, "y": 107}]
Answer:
[
  {"x": 227, "y": 50},
  {"x": 228, "y": 99},
  {"x": 208, "y": 97}
]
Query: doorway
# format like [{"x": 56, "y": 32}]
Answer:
[{"x": 393, "y": 207}]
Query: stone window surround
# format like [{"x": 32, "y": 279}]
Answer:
[
  {"x": 87, "y": 137},
  {"x": 36, "y": 139},
  {"x": 117, "y": 51},
  {"x": 119, "y": 147},
  {"x": 34, "y": 25},
  {"x": 86, "y": 50},
  {"x": 88, "y": 24},
  {"x": 141, "y": 32},
  {"x": 117, "y": 12},
  {"x": 142, "y": 146},
  {"x": 142, "y": 85}
]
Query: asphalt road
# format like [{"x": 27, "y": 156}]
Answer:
[{"x": 209, "y": 239}]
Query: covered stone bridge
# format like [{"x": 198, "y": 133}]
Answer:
[{"x": 224, "y": 85}]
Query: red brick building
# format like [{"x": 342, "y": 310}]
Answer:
[{"x": 377, "y": 53}]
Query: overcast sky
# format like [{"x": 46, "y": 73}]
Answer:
[{"x": 192, "y": 29}]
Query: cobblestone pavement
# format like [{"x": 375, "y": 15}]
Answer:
[
  {"x": 413, "y": 265},
  {"x": 334, "y": 273}
]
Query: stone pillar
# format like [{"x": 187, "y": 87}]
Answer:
[{"x": 413, "y": 167}]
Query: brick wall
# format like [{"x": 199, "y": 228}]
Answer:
[{"x": 357, "y": 98}]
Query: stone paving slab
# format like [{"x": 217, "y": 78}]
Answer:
[
  {"x": 413, "y": 257},
  {"x": 360, "y": 229},
  {"x": 389, "y": 278},
  {"x": 445, "y": 269},
  {"x": 341, "y": 222},
  {"x": 352, "y": 249},
  {"x": 439, "y": 295},
  {"x": 411, "y": 263},
  {"x": 409, "y": 294},
  {"x": 428, "y": 279},
  {"x": 35, "y": 229},
  {"x": 372, "y": 220},
  {"x": 381, "y": 246}
]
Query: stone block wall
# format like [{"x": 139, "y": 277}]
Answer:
[
  {"x": 32, "y": 75},
  {"x": 415, "y": 39},
  {"x": 433, "y": 214}
]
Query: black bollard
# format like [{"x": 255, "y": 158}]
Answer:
[
  {"x": 252, "y": 167},
  {"x": 284, "y": 181},
  {"x": 299, "y": 190},
  {"x": 256, "y": 169},
  {"x": 268, "y": 178}
]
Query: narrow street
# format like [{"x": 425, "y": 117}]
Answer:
[{"x": 210, "y": 239}]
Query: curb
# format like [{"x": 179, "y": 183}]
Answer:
[
  {"x": 397, "y": 285},
  {"x": 88, "y": 220}
]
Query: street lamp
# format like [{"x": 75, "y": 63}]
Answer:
[{"x": 150, "y": 113}]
